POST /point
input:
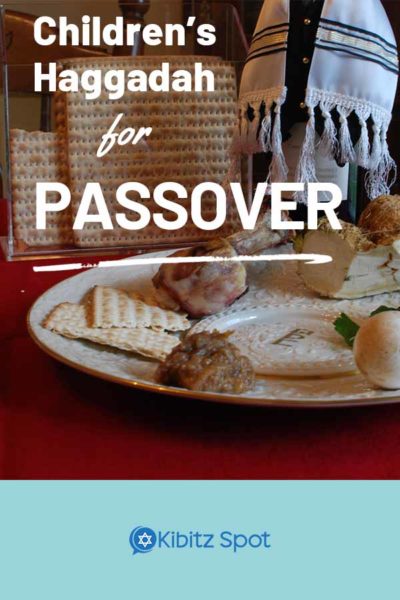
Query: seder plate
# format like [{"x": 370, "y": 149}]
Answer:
[{"x": 284, "y": 328}]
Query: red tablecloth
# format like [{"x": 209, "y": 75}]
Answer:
[{"x": 58, "y": 423}]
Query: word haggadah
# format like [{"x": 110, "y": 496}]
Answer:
[{"x": 117, "y": 81}]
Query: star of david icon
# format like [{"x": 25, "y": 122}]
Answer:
[{"x": 144, "y": 540}]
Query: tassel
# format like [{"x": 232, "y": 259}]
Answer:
[
  {"x": 377, "y": 179},
  {"x": 306, "y": 172},
  {"x": 347, "y": 153},
  {"x": 265, "y": 133},
  {"x": 245, "y": 139},
  {"x": 328, "y": 143},
  {"x": 253, "y": 129},
  {"x": 279, "y": 170},
  {"x": 376, "y": 151},
  {"x": 362, "y": 148},
  {"x": 390, "y": 166}
]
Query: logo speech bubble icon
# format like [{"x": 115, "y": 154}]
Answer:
[{"x": 142, "y": 540}]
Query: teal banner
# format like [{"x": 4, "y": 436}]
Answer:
[{"x": 196, "y": 540}]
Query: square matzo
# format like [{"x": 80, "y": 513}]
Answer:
[
  {"x": 190, "y": 144},
  {"x": 34, "y": 158}
]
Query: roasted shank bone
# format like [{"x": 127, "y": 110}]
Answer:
[{"x": 208, "y": 288}]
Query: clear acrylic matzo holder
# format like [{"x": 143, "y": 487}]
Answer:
[{"x": 24, "y": 109}]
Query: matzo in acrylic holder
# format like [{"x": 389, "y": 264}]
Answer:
[{"x": 154, "y": 134}]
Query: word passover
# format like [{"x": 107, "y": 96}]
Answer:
[{"x": 93, "y": 207}]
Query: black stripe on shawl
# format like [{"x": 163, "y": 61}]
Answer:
[
  {"x": 267, "y": 29},
  {"x": 266, "y": 48},
  {"x": 283, "y": 49},
  {"x": 352, "y": 28},
  {"x": 259, "y": 37},
  {"x": 324, "y": 46},
  {"x": 358, "y": 50},
  {"x": 360, "y": 37}
]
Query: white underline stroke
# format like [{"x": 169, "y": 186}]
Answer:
[{"x": 310, "y": 259}]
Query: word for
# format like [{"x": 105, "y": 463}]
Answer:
[
  {"x": 93, "y": 206},
  {"x": 91, "y": 32},
  {"x": 127, "y": 136},
  {"x": 115, "y": 82}
]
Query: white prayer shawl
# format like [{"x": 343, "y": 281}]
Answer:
[{"x": 354, "y": 69}]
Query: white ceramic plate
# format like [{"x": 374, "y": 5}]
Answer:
[
  {"x": 285, "y": 329},
  {"x": 285, "y": 341}
]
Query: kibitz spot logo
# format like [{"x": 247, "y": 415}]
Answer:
[{"x": 143, "y": 540}]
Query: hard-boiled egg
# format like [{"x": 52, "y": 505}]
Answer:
[{"x": 377, "y": 350}]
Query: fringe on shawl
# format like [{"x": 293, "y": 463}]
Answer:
[{"x": 260, "y": 131}]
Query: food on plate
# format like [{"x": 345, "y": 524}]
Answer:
[
  {"x": 366, "y": 259},
  {"x": 69, "y": 320},
  {"x": 355, "y": 268},
  {"x": 208, "y": 288},
  {"x": 205, "y": 288},
  {"x": 208, "y": 362},
  {"x": 110, "y": 307},
  {"x": 377, "y": 349},
  {"x": 121, "y": 319},
  {"x": 348, "y": 329},
  {"x": 376, "y": 345},
  {"x": 381, "y": 220}
]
